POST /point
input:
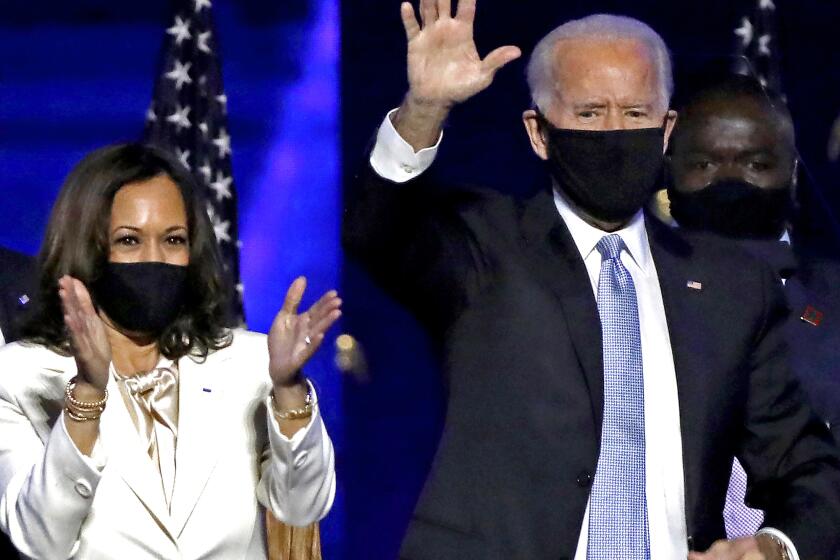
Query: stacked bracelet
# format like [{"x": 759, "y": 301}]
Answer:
[
  {"x": 82, "y": 411},
  {"x": 295, "y": 413}
]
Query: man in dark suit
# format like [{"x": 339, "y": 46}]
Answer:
[
  {"x": 732, "y": 173},
  {"x": 603, "y": 370},
  {"x": 17, "y": 288}
]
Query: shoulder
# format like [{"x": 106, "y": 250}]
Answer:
[
  {"x": 703, "y": 248},
  {"x": 247, "y": 341},
  {"x": 822, "y": 276},
  {"x": 737, "y": 274},
  {"x": 245, "y": 346},
  {"x": 17, "y": 271},
  {"x": 9, "y": 257},
  {"x": 26, "y": 366}
]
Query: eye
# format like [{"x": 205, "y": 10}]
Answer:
[
  {"x": 587, "y": 114},
  {"x": 177, "y": 239},
  {"x": 759, "y": 166},
  {"x": 701, "y": 165},
  {"x": 636, "y": 114},
  {"x": 127, "y": 240}
]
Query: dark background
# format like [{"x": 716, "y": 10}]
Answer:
[
  {"x": 308, "y": 83},
  {"x": 392, "y": 426}
]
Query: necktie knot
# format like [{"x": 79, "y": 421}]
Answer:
[{"x": 610, "y": 246}]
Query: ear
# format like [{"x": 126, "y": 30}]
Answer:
[
  {"x": 532, "y": 126},
  {"x": 670, "y": 121}
]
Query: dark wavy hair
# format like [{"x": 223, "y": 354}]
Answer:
[{"x": 76, "y": 243}]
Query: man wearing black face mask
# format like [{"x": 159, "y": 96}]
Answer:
[
  {"x": 733, "y": 162},
  {"x": 732, "y": 173},
  {"x": 602, "y": 368}
]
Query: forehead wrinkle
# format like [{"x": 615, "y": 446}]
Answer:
[{"x": 628, "y": 60}]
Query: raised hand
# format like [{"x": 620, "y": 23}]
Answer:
[
  {"x": 444, "y": 66},
  {"x": 88, "y": 336},
  {"x": 293, "y": 338}
]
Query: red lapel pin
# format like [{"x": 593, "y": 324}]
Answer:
[{"x": 812, "y": 316}]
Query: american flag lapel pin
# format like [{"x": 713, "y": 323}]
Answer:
[
  {"x": 812, "y": 316},
  {"x": 23, "y": 300},
  {"x": 694, "y": 285}
]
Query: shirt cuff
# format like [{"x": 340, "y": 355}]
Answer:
[
  {"x": 97, "y": 459},
  {"x": 791, "y": 550},
  {"x": 394, "y": 159}
]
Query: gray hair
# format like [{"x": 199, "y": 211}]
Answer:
[{"x": 541, "y": 79}]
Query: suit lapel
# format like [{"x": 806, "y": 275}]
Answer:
[
  {"x": 560, "y": 267},
  {"x": 128, "y": 456},
  {"x": 199, "y": 429},
  {"x": 683, "y": 308}
]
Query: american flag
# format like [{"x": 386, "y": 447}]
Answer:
[
  {"x": 188, "y": 116},
  {"x": 756, "y": 48}
]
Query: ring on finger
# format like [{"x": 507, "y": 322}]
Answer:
[{"x": 307, "y": 340}]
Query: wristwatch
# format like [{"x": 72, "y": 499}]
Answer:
[{"x": 783, "y": 550}]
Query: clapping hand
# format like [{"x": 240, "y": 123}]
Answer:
[
  {"x": 88, "y": 336},
  {"x": 293, "y": 337}
]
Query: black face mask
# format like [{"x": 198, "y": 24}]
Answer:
[
  {"x": 609, "y": 174},
  {"x": 143, "y": 297},
  {"x": 734, "y": 208}
]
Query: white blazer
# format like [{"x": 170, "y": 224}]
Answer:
[{"x": 231, "y": 462}]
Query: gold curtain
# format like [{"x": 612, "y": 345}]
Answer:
[{"x": 292, "y": 543}]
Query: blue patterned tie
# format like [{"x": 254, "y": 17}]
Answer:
[
  {"x": 740, "y": 520},
  {"x": 618, "y": 522}
]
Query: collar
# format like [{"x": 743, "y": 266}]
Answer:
[
  {"x": 163, "y": 363},
  {"x": 587, "y": 236}
]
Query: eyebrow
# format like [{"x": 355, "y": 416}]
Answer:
[
  {"x": 602, "y": 104},
  {"x": 133, "y": 228}
]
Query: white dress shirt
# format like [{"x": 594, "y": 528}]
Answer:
[{"x": 394, "y": 159}]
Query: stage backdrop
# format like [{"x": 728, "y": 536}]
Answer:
[
  {"x": 78, "y": 75},
  {"x": 393, "y": 423}
]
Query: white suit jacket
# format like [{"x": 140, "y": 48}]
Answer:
[{"x": 231, "y": 461}]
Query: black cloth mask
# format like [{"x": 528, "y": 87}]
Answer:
[
  {"x": 143, "y": 297},
  {"x": 609, "y": 174},
  {"x": 734, "y": 208}
]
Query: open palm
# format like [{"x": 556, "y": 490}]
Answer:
[
  {"x": 293, "y": 337},
  {"x": 88, "y": 337},
  {"x": 444, "y": 66}
]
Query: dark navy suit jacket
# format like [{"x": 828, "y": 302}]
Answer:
[
  {"x": 17, "y": 291},
  {"x": 502, "y": 284},
  {"x": 812, "y": 290}
]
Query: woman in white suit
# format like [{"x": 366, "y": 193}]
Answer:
[{"x": 133, "y": 423}]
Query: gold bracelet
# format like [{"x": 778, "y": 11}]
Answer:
[
  {"x": 79, "y": 417},
  {"x": 81, "y": 405},
  {"x": 296, "y": 413}
]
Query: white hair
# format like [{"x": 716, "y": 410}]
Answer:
[{"x": 541, "y": 79}]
